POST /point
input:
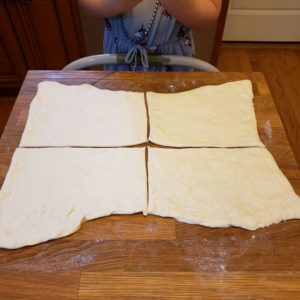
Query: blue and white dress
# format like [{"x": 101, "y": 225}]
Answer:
[{"x": 166, "y": 36}]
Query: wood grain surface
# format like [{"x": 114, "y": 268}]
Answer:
[{"x": 133, "y": 257}]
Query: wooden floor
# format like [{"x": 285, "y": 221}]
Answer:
[{"x": 280, "y": 64}]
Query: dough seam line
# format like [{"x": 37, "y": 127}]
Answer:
[
  {"x": 148, "y": 116},
  {"x": 147, "y": 144}
]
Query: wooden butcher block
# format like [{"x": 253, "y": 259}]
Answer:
[{"x": 137, "y": 257}]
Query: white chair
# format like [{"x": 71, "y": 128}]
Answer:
[{"x": 170, "y": 60}]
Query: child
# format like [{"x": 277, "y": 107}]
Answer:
[{"x": 139, "y": 28}]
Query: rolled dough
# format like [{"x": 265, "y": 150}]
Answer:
[
  {"x": 209, "y": 116},
  {"x": 85, "y": 116},
  {"x": 220, "y": 187},
  {"x": 48, "y": 193}
]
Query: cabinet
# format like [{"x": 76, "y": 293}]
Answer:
[{"x": 37, "y": 34}]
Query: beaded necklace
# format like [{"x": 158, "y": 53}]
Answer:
[{"x": 140, "y": 37}]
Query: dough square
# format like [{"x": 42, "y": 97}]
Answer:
[
  {"x": 85, "y": 116},
  {"x": 49, "y": 192},
  {"x": 209, "y": 116},
  {"x": 220, "y": 187}
]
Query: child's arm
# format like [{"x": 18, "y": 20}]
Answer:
[
  {"x": 109, "y": 8},
  {"x": 195, "y": 14}
]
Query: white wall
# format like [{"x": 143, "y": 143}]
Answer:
[{"x": 263, "y": 21}]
